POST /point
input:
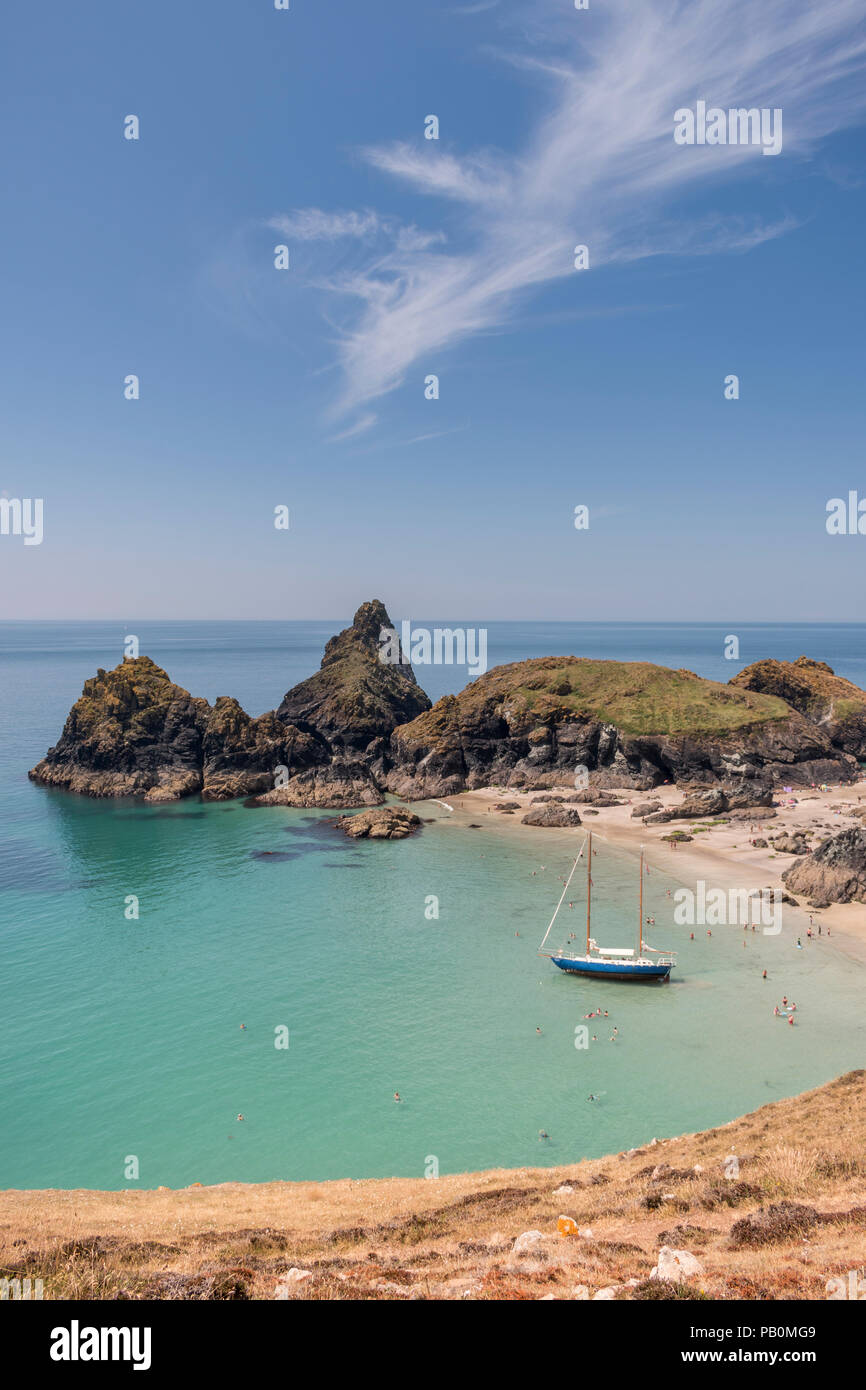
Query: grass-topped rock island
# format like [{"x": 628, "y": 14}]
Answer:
[{"x": 360, "y": 728}]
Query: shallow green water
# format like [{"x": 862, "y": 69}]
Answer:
[{"x": 123, "y": 1037}]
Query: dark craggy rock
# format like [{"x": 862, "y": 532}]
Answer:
[
  {"x": 715, "y": 801},
  {"x": 631, "y": 724},
  {"x": 360, "y": 728},
  {"x": 594, "y": 797},
  {"x": 815, "y": 691},
  {"x": 132, "y": 733},
  {"x": 243, "y": 756},
  {"x": 351, "y": 705},
  {"x": 354, "y": 699},
  {"x": 552, "y": 814},
  {"x": 835, "y": 872}
]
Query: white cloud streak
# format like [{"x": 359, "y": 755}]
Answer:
[{"x": 599, "y": 167}]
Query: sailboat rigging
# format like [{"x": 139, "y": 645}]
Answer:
[{"x": 608, "y": 962}]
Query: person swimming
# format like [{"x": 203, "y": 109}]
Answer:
[
  {"x": 397, "y": 1095},
  {"x": 543, "y": 1134},
  {"x": 240, "y": 1117}
]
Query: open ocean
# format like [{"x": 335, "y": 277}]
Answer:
[{"x": 122, "y": 1038}]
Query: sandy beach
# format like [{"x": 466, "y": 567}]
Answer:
[{"x": 721, "y": 854}]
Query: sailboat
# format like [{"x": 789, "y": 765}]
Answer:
[{"x": 609, "y": 962}]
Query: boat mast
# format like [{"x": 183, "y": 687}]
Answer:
[
  {"x": 588, "y": 885},
  {"x": 640, "y": 909}
]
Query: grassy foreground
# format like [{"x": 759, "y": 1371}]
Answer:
[{"x": 787, "y": 1217}]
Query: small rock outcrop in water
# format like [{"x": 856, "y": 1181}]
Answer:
[
  {"x": 834, "y": 873},
  {"x": 381, "y": 823}
]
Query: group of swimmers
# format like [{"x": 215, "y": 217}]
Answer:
[{"x": 785, "y": 1009}]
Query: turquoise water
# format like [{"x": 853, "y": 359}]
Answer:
[{"x": 123, "y": 1037}]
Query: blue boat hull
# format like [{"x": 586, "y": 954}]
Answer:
[{"x": 612, "y": 969}]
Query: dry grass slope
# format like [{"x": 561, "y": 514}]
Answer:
[{"x": 793, "y": 1216}]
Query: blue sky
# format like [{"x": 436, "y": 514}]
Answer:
[{"x": 409, "y": 257}]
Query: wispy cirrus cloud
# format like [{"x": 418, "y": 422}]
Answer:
[{"x": 599, "y": 167}]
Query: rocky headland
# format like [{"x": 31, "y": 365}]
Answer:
[
  {"x": 134, "y": 733},
  {"x": 360, "y": 729}
]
